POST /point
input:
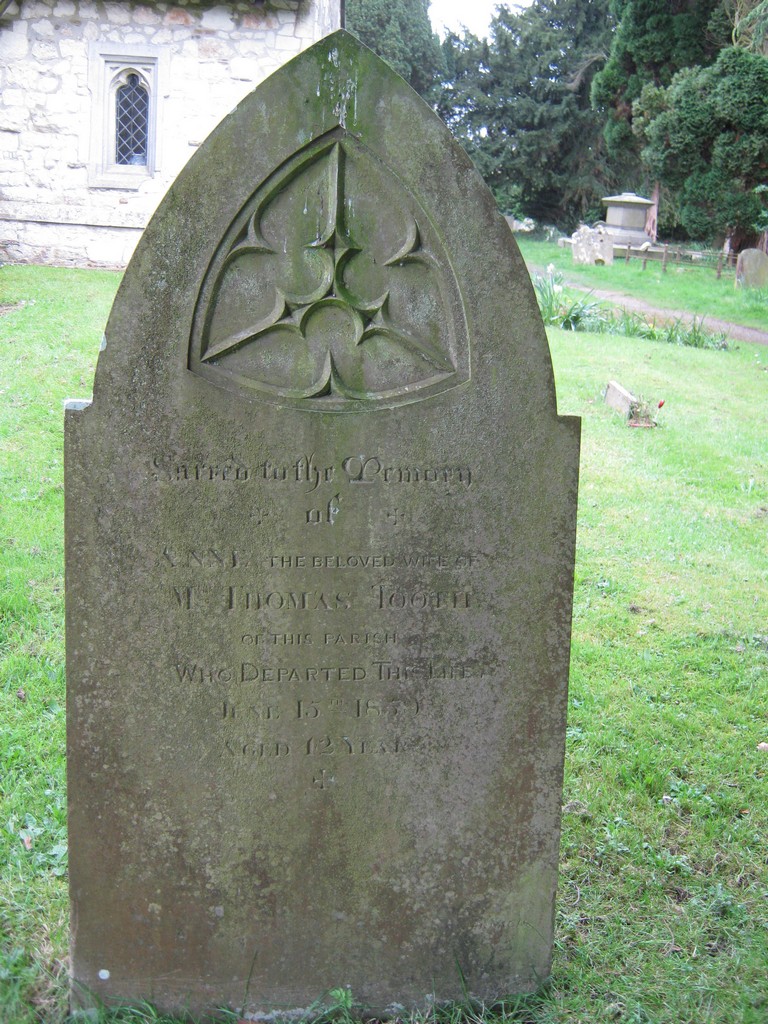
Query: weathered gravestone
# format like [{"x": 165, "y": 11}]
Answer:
[
  {"x": 591, "y": 246},
  {"x": 752, "y": 268},
  {"x": 320, "y": 533}
]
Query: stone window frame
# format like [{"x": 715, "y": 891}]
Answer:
[{"x": 109, "y": 66}]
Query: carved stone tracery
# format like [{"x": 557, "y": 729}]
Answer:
[{"x": 331, "y": 288}]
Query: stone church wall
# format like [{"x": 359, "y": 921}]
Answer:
[{"x": 63, "y": 199}]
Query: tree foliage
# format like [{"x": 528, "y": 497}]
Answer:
[
  {"x": 750, "y": 23},
  {"x": 706, "y": 137},
  {"x": 568, "y": 99},
  {"x": 520, "y": 103},
  {"x": 654, "y": 39},
  {"x": 684, "y": 98},
  {"x": 400, "y": 32}
]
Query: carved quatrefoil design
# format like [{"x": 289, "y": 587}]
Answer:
[{"x": 331, "y": 288}]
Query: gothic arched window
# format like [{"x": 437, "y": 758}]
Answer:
[
  {"x": 126, "y": 86},
  {"x": 131, "y": 120}
]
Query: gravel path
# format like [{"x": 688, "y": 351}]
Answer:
[
  {"x": 737, "y": 332},
  {"x": 713, "y": 324}
]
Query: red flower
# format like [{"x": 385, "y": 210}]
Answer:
[{"x": 661, "y": 403}]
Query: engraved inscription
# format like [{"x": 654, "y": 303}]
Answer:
[
  {"x": 308, "y": 472},
  {"x": 285, "y": 639},
  {"x": 360, "y": 469},
  {"x": 365, "y": 703},
  {"x": 267, "y": 708},
  {"x": 390, "y": 597},
  {"x": 226, "y": 559},
  {"x": 202, "y": 558},
  {"x": 349, "y": 745},
  {"x": 327, "y": 515},
  {"x": 368, "y": 708},
  {"x": 274, "y": 600},
  {"x": 458, "y": 670},
  {"x": 305, "y": 708},
  {"x": 305, "y": 471},
  {"x": 236, "y": 599},
  {"x": 225, "y": 472},
  {"x": 366, "y": 639},
  {"x": 248, "y": 672},
  {"x": 259, "y": 749},
  {"x": 183, "y": 597},
  {"x": 331, "y": 561},
  {"x": 323, "y": 779},
  {"x": 263, "y": 712},
  {"x": 193, "y": 672}
]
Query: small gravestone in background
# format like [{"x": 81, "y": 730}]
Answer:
[
  {"x": 320, "y": 536},
  {"x": 752, "y": 268},
  {"x": 591, "y": 246},
  {"x": 618, "y": 398}
]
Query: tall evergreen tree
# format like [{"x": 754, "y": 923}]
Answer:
[
  {"x": 654, "y": 39},
  {"x": 706, "y": 138},
  {"x": 400, "y": 32},
  {"x": 684, "y": 94},
  {"x": 520, "y": 103},
  {"x": 750, "y": 24}
]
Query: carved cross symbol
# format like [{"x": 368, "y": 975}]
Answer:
[{"x": 323, "y": 780}]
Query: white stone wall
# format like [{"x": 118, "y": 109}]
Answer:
[{"x": 210, "y": 55}]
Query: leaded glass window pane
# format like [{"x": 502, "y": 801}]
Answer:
[{"x": 132, "y": 123}]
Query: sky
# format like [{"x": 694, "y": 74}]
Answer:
[{"x": 475, "y": 15}]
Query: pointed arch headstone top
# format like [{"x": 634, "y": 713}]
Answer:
[
  {"x": 317, "y": 208},
  {"x": 320, "y": 535}
]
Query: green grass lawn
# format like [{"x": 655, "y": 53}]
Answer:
[
  {"x": 663, "y": 906},
  {"x": 689, "y": 289}
]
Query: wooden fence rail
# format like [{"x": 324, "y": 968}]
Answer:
[{"x": 716, "y": 259}]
